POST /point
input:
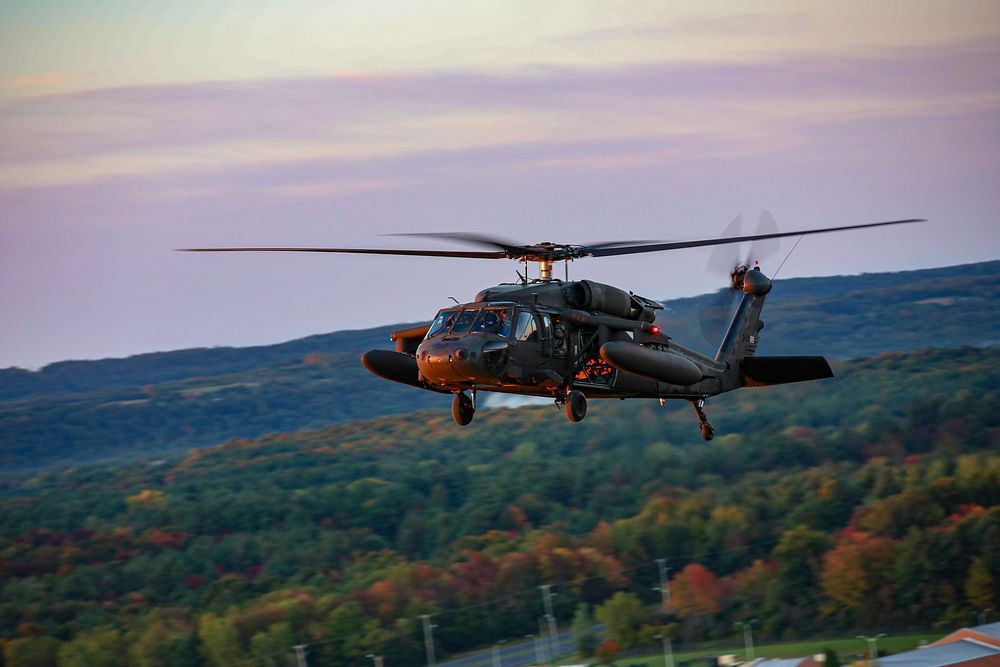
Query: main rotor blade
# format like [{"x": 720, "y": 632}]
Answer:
[
  {"x": 618, "y": 244},
  {"x": 515, "y": 249},
  {"x": 472, "y": 254},
  {"x": 475, "y": 239},
  {"x": 629, "y": 250}
]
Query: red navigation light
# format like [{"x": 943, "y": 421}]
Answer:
[{"x": 655, "y": 330}]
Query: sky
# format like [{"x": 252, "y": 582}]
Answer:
[{"x": 130, "y": 129}]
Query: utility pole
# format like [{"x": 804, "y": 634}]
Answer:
[
  {"x": 300, "y": 655},
  {"x": 661, "y": 565},
  {"x": 497, "y": 658},
  {"x": 872, "y": 644},
  {"x": 553, "y": 633},
  {"x": 538, "y": 655},
  {"x": 376, "y": 658},
  {"x": 748, "y": 636},
  {"x": 542, "y": 634},
  {"x": 428, "y": 638},
  {"x": 983, "y": 614},
  {"x": 668, "y": 651}
]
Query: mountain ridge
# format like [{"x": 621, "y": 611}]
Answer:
[
  {"x": 159, "y": 404},
  {"x": 16, "y": 382}
]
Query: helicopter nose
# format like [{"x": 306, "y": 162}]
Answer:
[{"x": 451, "y": 361}]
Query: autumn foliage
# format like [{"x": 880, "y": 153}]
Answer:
[{"x": 342, "y": 538}]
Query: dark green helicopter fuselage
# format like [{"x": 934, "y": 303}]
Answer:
[{"x": 559, "y": 339}]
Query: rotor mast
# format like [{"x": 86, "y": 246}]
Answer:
[{"x": 545, "y": 269}]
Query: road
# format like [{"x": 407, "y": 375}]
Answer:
[{"x": 518, "y": 654}]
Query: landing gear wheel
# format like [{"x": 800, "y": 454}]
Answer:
[
  {"x": 462, "y": 409},
  {"x": 707, "y": 432},
  {"x": 576, "y": 406}
]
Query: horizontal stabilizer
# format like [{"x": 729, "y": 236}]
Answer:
[{"x": 764, "y": 371}]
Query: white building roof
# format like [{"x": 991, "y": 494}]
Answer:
[
  {"x": 991, "y": 629},
  {"x": 939, "y": 656}
]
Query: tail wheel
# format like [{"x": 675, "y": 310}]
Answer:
[
  {"x": 707, "y": 432},
  {"x": 462, "y": 409},
  {"x": 576, "y": 406}
]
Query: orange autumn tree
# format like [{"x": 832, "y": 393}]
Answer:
[{"x": 695, "y": 590}]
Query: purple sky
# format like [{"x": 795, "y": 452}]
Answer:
[{"x": 99, "y": 182}]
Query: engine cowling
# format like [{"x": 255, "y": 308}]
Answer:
[{"x": 599, "y": 298}]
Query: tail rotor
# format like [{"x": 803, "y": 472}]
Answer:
[{"x": 734, "y": 261}]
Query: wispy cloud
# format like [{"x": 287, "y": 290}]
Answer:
[
  {"x": 34, "y": 81},
  {"x": 697, "y": 26},
  {"x": 284, "y": 125}
]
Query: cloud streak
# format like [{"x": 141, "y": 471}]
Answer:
[{"x": 79, "y": 137}]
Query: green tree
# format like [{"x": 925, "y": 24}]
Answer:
[
  {"x": 219, "y": 640},
  {"x": 271, "y": 647},
  {"x": 623, "y": 616},
  {"x": 979, "y": 585},
  {"x": 583, "y": 630},
  {"x": 31, "y": 652},
  {"x": 98, "y": 648},
  {"x": 165, "y": 642},
  {"x": 792, "y": 593}
]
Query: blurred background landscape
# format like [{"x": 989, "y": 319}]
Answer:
[{"x": 333, "y": 509}]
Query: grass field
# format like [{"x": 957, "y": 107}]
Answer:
[{"x": 845, "y": 648}]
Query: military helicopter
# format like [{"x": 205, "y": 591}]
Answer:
[{"x": 577, "y": 340}]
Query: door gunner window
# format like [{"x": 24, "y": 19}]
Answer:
[
  {"x": 527, "y": 327},
  {"x": 464, "y": 321}
]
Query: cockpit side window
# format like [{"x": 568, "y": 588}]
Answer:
[
  {"x": 527, "y": 327},
  {"x": 463, "y": 323},
  {"x": 441, "y": 323}
]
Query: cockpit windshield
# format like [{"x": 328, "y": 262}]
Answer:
[
  {"x": 473, "y": 320},
  {"x": 442, "y": 322},
  {"x": 463, "y": 323}
]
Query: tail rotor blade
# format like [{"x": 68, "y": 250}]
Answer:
[
  {"x": 724, "y": 258},
  {"x": 714, "y": 316},
  {"x": 761, "y": 249}
]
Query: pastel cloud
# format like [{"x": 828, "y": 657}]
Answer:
[{"x": 204, "y": 127}]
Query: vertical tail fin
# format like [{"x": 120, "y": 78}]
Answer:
[
  {"x": 739, "y": 348},
  {"x": 744, "y": 331}
]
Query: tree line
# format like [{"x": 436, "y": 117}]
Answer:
[{"x": 866, "y": 503}]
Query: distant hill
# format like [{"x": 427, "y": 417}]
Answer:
[
  {"x": 68, "y": 377},
  {"x": 851, "y": 316},
  {"x": 156, "y": 404}
]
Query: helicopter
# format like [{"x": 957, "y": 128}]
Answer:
[{"x": 573, "y": 341}]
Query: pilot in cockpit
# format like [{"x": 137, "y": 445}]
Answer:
[{"x": 495, "y": 321}]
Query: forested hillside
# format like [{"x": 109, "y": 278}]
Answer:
[
  {"x": 851, "y": 316},
  {"x": 161, "y": 404},
  {"x": 869, "y": 502}
]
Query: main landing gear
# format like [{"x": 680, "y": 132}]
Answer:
[
  {"x": 463, "y": 408},
  {"x": 575, "y": 406},
  {"x": 707, "y": 432}
]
